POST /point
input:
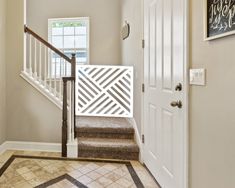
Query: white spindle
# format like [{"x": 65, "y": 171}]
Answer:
[
  {"x": 40, "y": 62},
  {"x": 25, "y": 53},
  {"x": 55, "y": 78},
  {"x": 72, "y": 107},
  {"x": 45, "y": 65},
  {"x": 69, "y": 113},
  {"x": 60, "y": 78},
  {"x": 30, "y": 55},
  {"x": 35, "y": 58},
  {"x": 50, "y": 70}
]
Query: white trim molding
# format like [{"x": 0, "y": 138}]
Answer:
[
  {"x": 137, "y": 137},
  {"x": 30, "y": 146},
  {"x": 72, "y": 149},
  {"x": 2, "y": 148}
]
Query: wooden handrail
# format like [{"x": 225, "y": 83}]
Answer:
[{"x": 53, "y": 48}]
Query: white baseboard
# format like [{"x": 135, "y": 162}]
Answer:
[
  {"x": 30, "y": 146},
  {"x": 137, "y": 135},
  {"x": 2, "y": 148}
]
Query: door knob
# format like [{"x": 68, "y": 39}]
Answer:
[
  {"x": 176, "y": 104},
  {"x": 178, "y": 87}
]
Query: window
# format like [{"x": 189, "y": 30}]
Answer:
[{"x": 70, "y": 35}]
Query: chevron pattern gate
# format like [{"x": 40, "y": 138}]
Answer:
[{"x": 104, "y": 91}]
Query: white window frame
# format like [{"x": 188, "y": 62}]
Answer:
[{"x": 86, "y": 19}]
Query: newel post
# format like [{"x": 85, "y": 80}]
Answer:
[
  {"x": 65, "y": 120},
  {"x": 73, "y": 64}
]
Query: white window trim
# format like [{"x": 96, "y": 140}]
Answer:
[{"x": 87, "y": 19}]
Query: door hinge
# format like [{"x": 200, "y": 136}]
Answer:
[
  {"x": 143, "y": 88},
  {"x": 143, "y": 43},
  {"x": 143, "y": 140}
]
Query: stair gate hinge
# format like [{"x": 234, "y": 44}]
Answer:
[
  {"x": 143, "y": 88},
  {"x": 143, "y": 43},
  {"x": 143, "y": 138}
]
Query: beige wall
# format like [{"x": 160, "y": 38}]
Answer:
[
  {"x": 2, "y": 72},
  {"x": 212, "y": 108},
  {"x": 132, "y": 52},
  {"x": 30, "y": 116},
  {"x": 104, "y": 23}
]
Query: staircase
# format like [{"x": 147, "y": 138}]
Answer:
[
  {"x": 106, "y": 137},
  {"x": 95, "y": 100}
]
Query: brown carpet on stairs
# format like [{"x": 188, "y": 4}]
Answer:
[{"x": 106, "y": 137}]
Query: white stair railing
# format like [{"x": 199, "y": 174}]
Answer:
[
  {"x": 50, "y": 71},
  {"x": 104, "y": 91},
  {"x": 45, "y": 67}
]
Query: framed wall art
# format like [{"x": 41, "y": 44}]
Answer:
[{"x": 219, "y": 18}]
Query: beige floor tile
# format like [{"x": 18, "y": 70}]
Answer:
[
  {"x": 124, "y": 182},
  {"x": 84, "y": 179},
  {"x": 85, "y": 170},
  {"x": 102, "y": 170},
  {"x": 22, "y": 170},
  {"x": 121, "y": 171},
  {"x": 95, "y": 185},
  {"x": 54, "y": 186},
  {"x": 75, "y": 174},
  {"x": 94, "y": 175},
  {"x": 115, "y": 185},
  {"x": 104, "y": 181},
  {"x": 65, "y": 184},
  {"x": 23, "y": 185},
  {"x": 110, "y": 167},
  {"x": 113, "y": 176},
  {"x": 28, "y": 176}
]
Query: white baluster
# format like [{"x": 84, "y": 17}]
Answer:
[
  {"x": 45, "y": 66},
  {"x": 55, "y": 85},
  {"x": 50, "y": 70},
  {"x": 30, "y": 55},
  {"x": 25, "y": 52},
  {"x": 40, "y": 62},
  {"x": 60, "y": 89},
  {"x": 35, "y": 58},
  {"x": 69, "y": 112}
]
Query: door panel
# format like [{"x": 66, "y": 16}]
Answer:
[{"x": 163, "y": 69}]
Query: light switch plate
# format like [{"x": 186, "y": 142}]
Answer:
[{"x": 198, "y": 77}]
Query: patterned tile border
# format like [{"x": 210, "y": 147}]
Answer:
[
  {"x": 61, "y": 178},
  {"x": 129, "y": 166}
]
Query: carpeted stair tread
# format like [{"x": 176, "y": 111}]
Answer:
[
  {"x": 108, "y": 124},
  {"x": 111, "y": 145},
  {"x": 106, "y": 137}
]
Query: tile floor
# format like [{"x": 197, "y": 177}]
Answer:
[{"x": 27, "y": 169}]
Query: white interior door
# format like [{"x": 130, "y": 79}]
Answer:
[{"x": 164, "y": 125}]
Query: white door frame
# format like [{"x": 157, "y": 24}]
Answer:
[{"x": 186, "y": 95}]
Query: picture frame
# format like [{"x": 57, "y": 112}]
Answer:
[{"x": 215, "y": 24}]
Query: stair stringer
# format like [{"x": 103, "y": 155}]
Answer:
[{"x": 42, "y": 89}]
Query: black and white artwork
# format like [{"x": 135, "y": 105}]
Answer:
[{"x": 219, "y": 18}]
